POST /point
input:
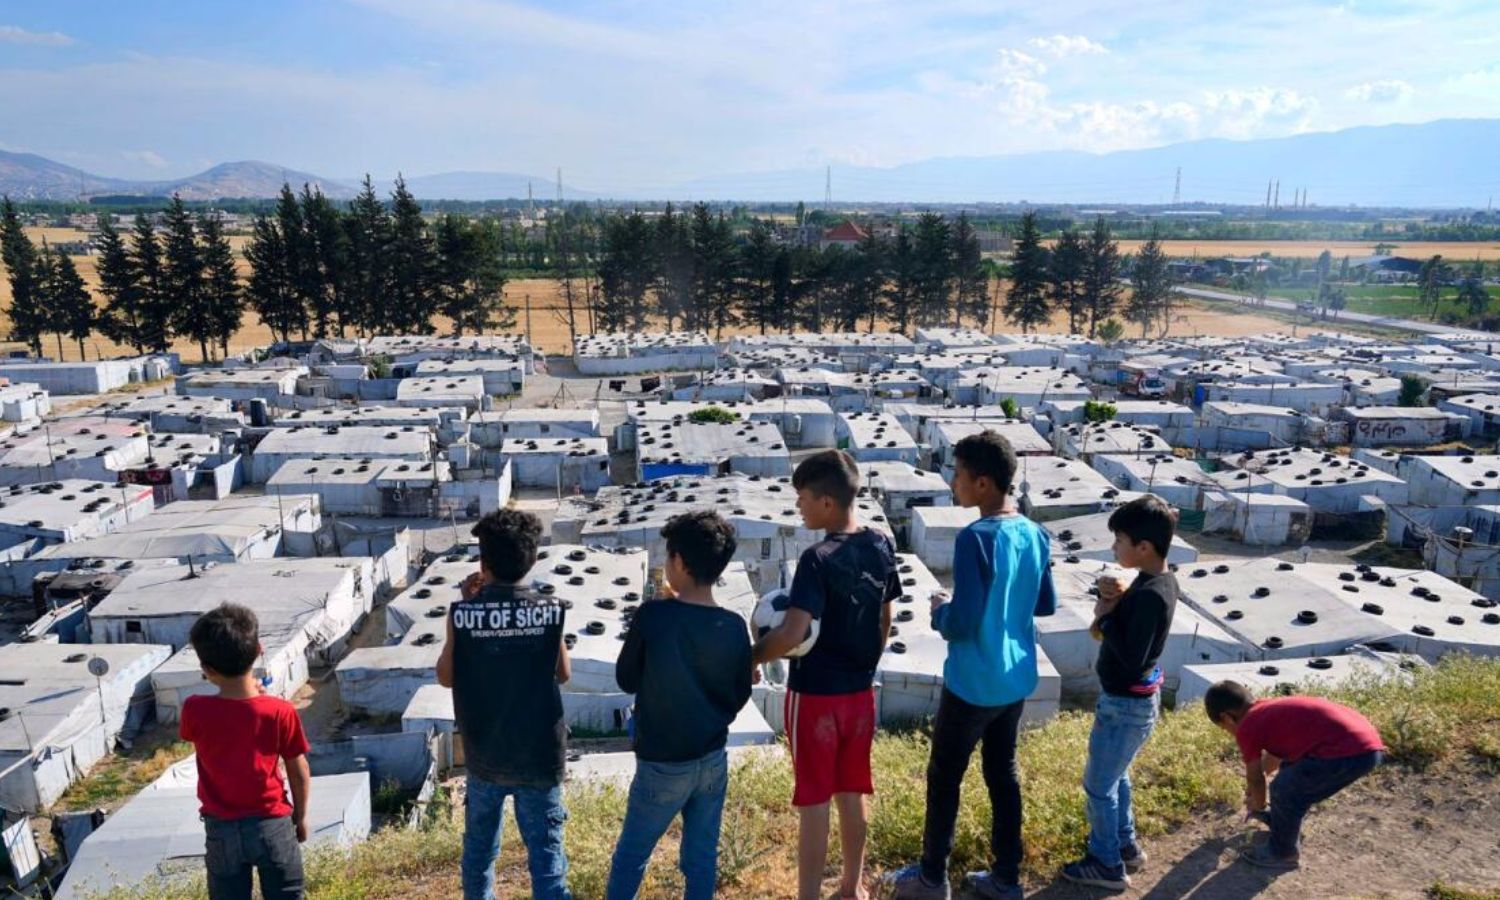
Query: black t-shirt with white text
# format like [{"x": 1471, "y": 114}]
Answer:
[
  {"x": 506, "y": 701},
  {"x": 844, "y": 581}
]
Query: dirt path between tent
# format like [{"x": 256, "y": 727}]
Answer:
[{"x": 1394, "y": 835}]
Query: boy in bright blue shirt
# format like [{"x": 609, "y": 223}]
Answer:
[{"x": 1001, "y": 580}]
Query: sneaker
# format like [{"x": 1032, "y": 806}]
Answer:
[
  {"x": 986, "y": 886},
  {"x": 1262, "y": 856},
  {"x": 908, "y": 884},
  {"x": 1094, "y": 873},
  {"x": 1262, "y": 816},
  {"x": 1133, "y": 857}
]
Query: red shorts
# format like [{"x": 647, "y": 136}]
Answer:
[{"x": 830, "y": 736}]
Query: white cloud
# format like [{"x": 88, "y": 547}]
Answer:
[
  {"x": 1060, "y": 45},
  {"x": 146, "y": 157},
  {"x": 12, "y": 34},
  {"x": 1388, "y": 90}
]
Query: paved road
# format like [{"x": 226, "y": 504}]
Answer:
[{"x": 1346, "y": 316}]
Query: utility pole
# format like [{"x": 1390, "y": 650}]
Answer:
[
  {"x": 530, "y": 202},
  {"x": 827, "y": 188},
  {"x": 1268, "y": 193},
  {"x": 1276, "y": 203},
  {"x": 559, "y": 187},
  {"x": 1177, "y": 189}
]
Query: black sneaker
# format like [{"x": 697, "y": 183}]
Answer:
[
  {"x": 1133, "y": 857},
  {"x": 987, "y": 887},
  {"x": 1094, "y": 873}
]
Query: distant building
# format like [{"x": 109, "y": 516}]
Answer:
[{"x": 846, "y": 234}]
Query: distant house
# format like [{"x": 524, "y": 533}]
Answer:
[
  {"x": 846, "y": 234},
  {"x": 1387, "y": 268}
]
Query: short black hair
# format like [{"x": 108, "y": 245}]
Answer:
[
  {"x": 704, "y": 540},
  {"x": 508, "y": 539},
  {"x": 988, "y": 455},
  {"x": 1148, "y": 519},
  {"x": 227, "y": 639},
  {"x": 831, "y": 473},
  {"x": 1226, "y": 697}
]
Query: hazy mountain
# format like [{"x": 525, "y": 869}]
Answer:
[
  {"x": 1444, "y": 163},
  {"x": 26, "y": 176},
  {"x": 244, "y": 179},
  {"x": 1447, "y": 163}
]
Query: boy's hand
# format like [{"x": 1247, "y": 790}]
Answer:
[
  {"x": 938, "y": 598},
  {"x": 1103, "y": 607},
  {"x": 754, "y": 674},
  {"x": 1111, "y": 588},
  {"x": 301, "y": 831},
  {"x": 471, "y": 586}
]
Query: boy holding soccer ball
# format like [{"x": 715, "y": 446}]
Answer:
[{"x": 847, "y": 581}]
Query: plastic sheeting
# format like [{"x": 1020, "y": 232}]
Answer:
[
  {"x": 158, "y": 835},
  {"x": 56, "y": 729}
]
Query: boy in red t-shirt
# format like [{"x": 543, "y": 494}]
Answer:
[
  {"x": 1313, "y": 746},
  {"x": 241, "y": 736}
]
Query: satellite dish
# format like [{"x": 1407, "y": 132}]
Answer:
[{"x": 98, "y": 667}]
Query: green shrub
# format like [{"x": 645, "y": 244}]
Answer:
[{"x": 713, "y": 415}]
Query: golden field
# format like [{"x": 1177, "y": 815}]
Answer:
[{"x": 549, "y": 331}]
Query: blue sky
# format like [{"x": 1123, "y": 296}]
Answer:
[{"x": 641, "y": 95}]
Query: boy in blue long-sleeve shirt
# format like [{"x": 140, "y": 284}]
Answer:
[{"x": 1001, "y": 580}]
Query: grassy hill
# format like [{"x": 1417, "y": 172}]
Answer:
[{"x": 1443, "y": 732}]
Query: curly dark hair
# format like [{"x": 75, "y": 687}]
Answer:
[
  {"x": 508, "y": 539},
  {"x": 226, "y": 639},
  {"x": 705, "y": 542}
]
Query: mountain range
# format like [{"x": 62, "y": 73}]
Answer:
[{"x": 1445, "y": 163}]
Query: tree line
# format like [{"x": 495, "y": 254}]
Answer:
[
  {"x": 1083, "y": 277},
  {"x": 691, "y": 270},
  {"x": 158, "y": 286},
  {"x": 315, "y": 271}
]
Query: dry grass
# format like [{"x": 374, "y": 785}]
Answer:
[
  {"x": 1188, "y": 770},
  {"x": 548, "y": 329},
  {"x": 120, "y": 776}
]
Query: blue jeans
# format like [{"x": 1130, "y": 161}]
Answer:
[
  {"x": 235, "y": 847},
  {"x": 539, "y": 817},
  {"x": 1121, "y": 726},
  {"x": 1297, "y": 786},
  {"x": 659, "y": 792}
]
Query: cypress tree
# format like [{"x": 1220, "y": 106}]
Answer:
[
  {"x": 155, "y": 311},
  {"x": 270, "y": 292},
  {"x": 1026, "y": 298},
  {"x": 225, "y": 296},
  {"x": 120, "y": 282},
  {"x": 1101, "y": 275},
  {"x": 1150, "y": 288},
  {"x": 185, "y": 279},
  {"x": 25, "y": 270},
  {"x": 409, "y": 301},
  {"x": 367, "y": 230},
  {"x": 69, "y": 304}
]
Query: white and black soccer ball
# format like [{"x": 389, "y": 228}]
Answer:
[{"x": 768, "y": 615}]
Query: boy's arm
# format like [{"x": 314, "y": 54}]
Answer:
[
  {"x": 782, "y": 639},
  {"x": 445, "y": 658},
  {"x": 885, "y": 624},
  {"x": 632, "y": 660},
  {"x": 959, "y": 618},
  {"x": 1255, "y": 786},
  {"x": 1046, "y": 598},
  {"x": 807, "y": 599},
  {"x": 564, "y": 662},
  {"x": 299, "y": 777},
  {"x": 1147, "y": 614}
]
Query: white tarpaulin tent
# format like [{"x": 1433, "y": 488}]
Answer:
[
  {"x": 52, "y": 728},
  {"x": 157, "y": 835},
  {"x": 306, "y": 609}
]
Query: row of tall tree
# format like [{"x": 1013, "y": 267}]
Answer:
[
  {"x": 1082, "y": 276},
  {"x": 156, "y": 287},
  {"x": 317, "y": 270},
  {"x": 691, "y": 270}
]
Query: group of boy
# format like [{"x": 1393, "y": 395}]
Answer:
[{"x": 690, "y": 664}]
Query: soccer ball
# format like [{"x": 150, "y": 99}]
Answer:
[{"x": 768, "y": 615}]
